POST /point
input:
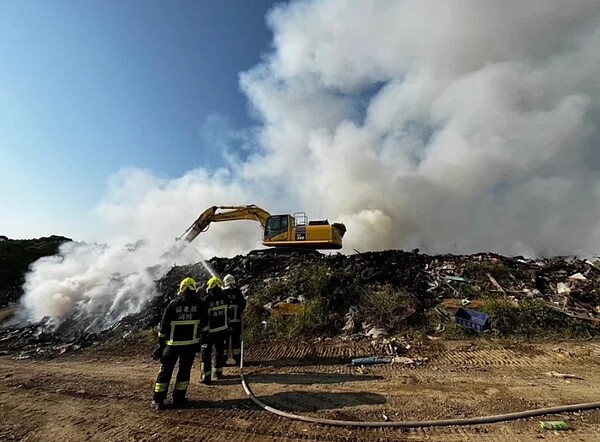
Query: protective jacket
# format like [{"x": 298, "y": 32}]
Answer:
[
  {"x": 179, "y": 339},
  {"x": 237, "y": 304},
  {"x": 183, "y": 320},
  {"x": 216, "y": 332},
  {"x": 217, "y": 306}
]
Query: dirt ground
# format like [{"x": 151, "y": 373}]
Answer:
[{"x": 104, "y": 395}]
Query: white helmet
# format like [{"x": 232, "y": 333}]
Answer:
[{"x": 228, "y": 281}]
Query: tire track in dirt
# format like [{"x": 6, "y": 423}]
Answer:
[
  {"x": 494, "y": 380},
  {"x": 302, "y": 377},
  {"x": 282, "y": 353},
  {"x": 495, "y": 358},
  {"x": 323, "y": 354},
  {"x": 122, "y": 417}
]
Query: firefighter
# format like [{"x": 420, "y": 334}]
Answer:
[
  {"x": 216, "y": 331},
  {"x": 237, "y": 304},
  {"x": 178, "y": 338}
]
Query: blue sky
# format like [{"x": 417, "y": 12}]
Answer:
[{"x": 89, "y": 87}]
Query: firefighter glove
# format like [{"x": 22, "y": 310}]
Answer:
[{"x": 158, "y": 353}]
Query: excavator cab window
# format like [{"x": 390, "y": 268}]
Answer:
[{"x": 276, "y": 225}]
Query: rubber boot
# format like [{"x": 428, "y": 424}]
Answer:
[{"x": 207, "y": 380}]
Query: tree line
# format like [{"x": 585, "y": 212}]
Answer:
[{"x": 16, "y": 255}]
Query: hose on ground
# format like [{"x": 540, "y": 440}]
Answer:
[{"x": 411, "y": 424}]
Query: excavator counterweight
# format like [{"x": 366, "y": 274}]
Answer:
[{"x": 289, "y": 231}]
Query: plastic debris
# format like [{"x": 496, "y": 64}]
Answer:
[
  {"x": 472, "y": 319},
  {"x": 455, "y": 278},
  {"x": 554, "y": 425},
  {"x": 370, "y": 361}
]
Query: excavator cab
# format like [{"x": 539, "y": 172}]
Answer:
[
  {"x": 297, "y": 232},
  {"x": 276, "y": 226}
]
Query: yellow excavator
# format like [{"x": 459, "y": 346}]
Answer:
[{"x": 281, "y": 231}]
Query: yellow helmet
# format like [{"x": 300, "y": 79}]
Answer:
[
  {"x": 213, "y": 282},
  {"x": 187, "y": 284}
]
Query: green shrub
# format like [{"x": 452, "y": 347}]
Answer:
[
  {"x": 327, "y": 297},
  {"x": 387, "y": 307},
  {"x": 533, "y": 318},
  {"x": 477, "y": 270}
]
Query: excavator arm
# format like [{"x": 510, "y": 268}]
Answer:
[{"x": 225, "y": 213}]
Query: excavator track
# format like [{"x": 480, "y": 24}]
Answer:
[{"x": 285, "y": 252}]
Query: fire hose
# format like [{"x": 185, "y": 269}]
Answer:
[{"x": 411, "y": 424}]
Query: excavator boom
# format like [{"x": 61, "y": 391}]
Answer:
[{"x": 229, "y": 213}]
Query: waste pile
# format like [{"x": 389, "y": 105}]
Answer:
[{"x": 567, "y": 285}]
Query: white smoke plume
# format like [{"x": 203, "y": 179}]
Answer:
[
  {"x": 95, "y": 284},
  {"x": 457, "y": 127}
]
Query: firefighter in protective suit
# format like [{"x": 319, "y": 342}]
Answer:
[
  {"x": 216, "y": 331},
  {"x": 237, "y": 304},
  {"x": 178, "y": 339}
]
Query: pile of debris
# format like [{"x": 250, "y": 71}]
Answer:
[
  {"x": 45, "y": 338},
  {"x": 568, "y": 285}
]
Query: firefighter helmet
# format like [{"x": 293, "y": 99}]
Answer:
[
  {"x": 228, "y": 281},
  {"x": 213, "y": 282},
  {"x": 187, "y": 284}
]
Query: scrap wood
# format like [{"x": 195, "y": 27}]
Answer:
[
  {"x": 556, "y": 374},
  {"x": 443, "y": 316},
  {"x": 592, "y": 265},
  {"x": 495, "y": 283},
  {"x": 449, "y": 285},
  {"x": 594, "y": 321}
]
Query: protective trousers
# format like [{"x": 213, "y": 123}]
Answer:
[
  {"x": 235, "y": 337},
  {"x": 218, "y": 341},
  {"x": 185, "y": 354}
]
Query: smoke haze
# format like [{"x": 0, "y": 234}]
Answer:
[
  {"x": 457, "y": 127},
  {"x": 449, "y": 126}
]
